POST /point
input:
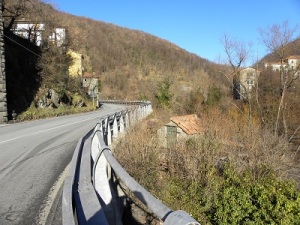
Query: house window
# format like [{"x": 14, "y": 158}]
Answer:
[{"x": 250, "y": 82}]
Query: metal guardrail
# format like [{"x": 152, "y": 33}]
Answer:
[
  {"x": 92, "y": 193},
  {"x": 124, "y": 102}
]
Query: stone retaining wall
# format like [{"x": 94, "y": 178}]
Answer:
[{"x": 3, "y": 99}]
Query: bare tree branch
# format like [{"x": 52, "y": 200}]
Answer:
[{"x": 276, "y": 38}]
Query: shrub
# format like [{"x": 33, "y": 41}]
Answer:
[
  {"x": 214, "y": 95},
  {"x": 214, "y": 182},
  {"x": 164, "y": 96},
  {"x": 243, "y": 200}
]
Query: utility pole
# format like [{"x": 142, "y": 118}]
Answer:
[{"x": 3, "y": 99}]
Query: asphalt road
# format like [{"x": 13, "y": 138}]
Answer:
[{"x": 34, "y": 158}]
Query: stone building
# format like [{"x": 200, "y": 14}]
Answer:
[
  {"x": 179, "y": 128},
  {"x": 90, "y": 82},
  {"x": 244, "y": 83}
]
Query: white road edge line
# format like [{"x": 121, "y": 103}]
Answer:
[
  {"x": 48, "y": 202},
  {"x": 43, "y": 131}
]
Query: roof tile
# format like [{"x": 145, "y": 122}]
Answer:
[{"x": 190, "y": 124}]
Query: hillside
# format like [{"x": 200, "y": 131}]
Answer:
[
  {"x": 292, "y": 48},
  {"x": 131, "y": 64}
]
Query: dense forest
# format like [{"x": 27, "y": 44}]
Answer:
[{"x": 243, "y": 170}]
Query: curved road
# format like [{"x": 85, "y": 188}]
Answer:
[{"x": 34, "y": 158}]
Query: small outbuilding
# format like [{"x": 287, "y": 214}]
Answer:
[{"x": 179, "y": 127}]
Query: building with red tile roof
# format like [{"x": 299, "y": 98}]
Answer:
[
  {"x": 291, "y": 62},
  {"x": 180, "y": 127},
  {"x": 190, "y": 124}
]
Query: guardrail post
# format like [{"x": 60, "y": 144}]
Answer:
[
  {"x": 107, "y": 132},
  {"x": 88, "y": 207},
  {"x": 104, "y": 127},
  {"x": 108, "y": 135},
  {"x": 149, "y": 109},
  {"x": 132, "y": 117},
  {"x": 139, "y": 113},
  {"x": 99, "y": 126},
  {"x": 101, "y": 185},
  {"x": 115, "y": 128},
  {"x": 106, "y": 186},
  {"x": 145, "y": 111},
  {"x": 94, "y": 146},
  {"x": 122, "y": 127},
  {"x": 135, "y": 116},
  {"x": 127, "y": 122}
]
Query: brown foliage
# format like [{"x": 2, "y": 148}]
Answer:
[
  {"x": 130, "y": 62},
  {"x": 226, "y": 138}
]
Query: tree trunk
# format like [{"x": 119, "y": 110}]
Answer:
[
  {"x": 285, "y": 127},
  {"x": 280, "y": 108}
]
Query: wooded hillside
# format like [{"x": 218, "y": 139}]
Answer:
[
  {"x": 292, "y": 48},
  {"x": 131, "y": 64}
]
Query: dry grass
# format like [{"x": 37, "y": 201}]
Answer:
[
  {"x": 225, "y": 139},
  {"x": 192, "y": 175}
]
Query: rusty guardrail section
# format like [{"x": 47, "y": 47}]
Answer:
[{"x": 92, "y": 192}]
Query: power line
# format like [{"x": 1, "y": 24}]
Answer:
[{"x": 21, "y": 45}]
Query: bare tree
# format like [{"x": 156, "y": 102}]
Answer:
[
  {"x": 237, "y": 53},
  {"x": 14, "y": 9},
  {"x": 276, "y": 38}
]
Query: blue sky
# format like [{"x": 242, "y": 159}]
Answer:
[{"x": 195, "y": 25}]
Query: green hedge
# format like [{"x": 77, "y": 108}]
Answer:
[{"x": 236, "y": 197}]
